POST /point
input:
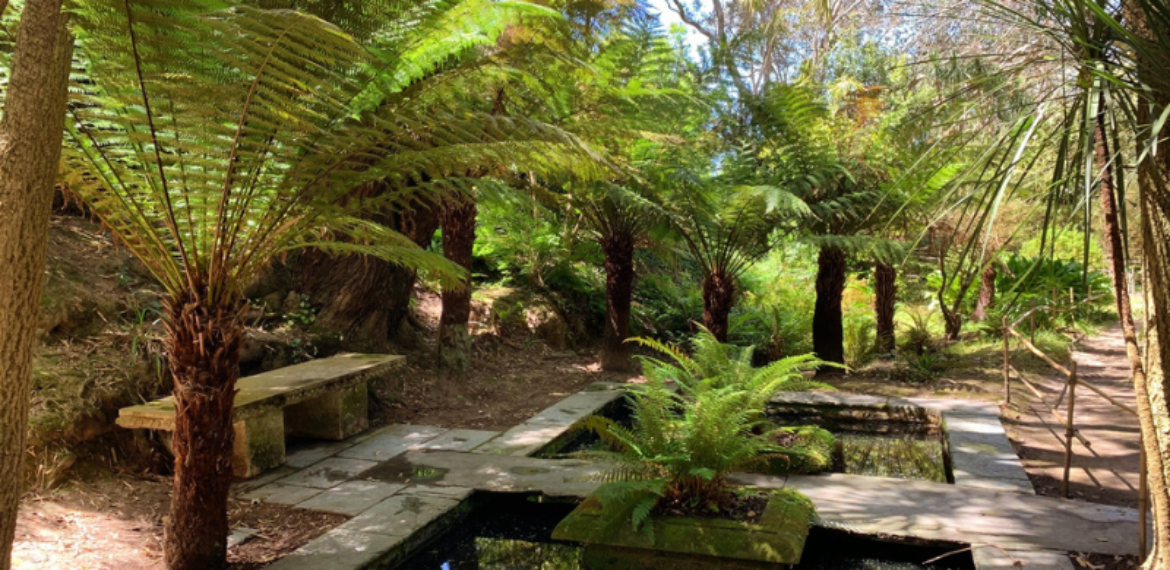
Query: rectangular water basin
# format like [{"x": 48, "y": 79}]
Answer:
[{"x": 511, "y": 532}]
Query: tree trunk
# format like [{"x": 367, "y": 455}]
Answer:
[
  {"x": 1115, "y": 259},
  {"x": 1153, "y": 391},
  {"x": 718, "y": 298},
  {"x": 885, "y": 290},
  {"x": 365, "y": 298},
  {"x": 986, "y": 294},
  {"x": 30, "y": 153},
  {"x": 458, "y": 222},
  {"x": 203, "y": 350},
  {"x": 952, "y": 323},
  {"x": 619, "y": 285},
  {"x": 828, "y": 331}
]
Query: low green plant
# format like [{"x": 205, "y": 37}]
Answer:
[
  {"x": 917, "y": 335},
  {"x": 682, "y": 443}
]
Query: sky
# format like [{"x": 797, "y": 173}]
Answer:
[{"x": 669, "y": 19}]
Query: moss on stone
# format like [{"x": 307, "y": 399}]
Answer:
[
  {"x": 814, "y": 448},
  {"x": 778, "y": 537}
]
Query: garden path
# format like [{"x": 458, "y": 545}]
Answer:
[{"x": 1107, "y": 472}]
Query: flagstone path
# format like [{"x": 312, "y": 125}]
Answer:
[{"x": 404, "y": 485}]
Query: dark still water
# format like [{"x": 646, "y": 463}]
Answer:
[{"x": 510, "y": 533}]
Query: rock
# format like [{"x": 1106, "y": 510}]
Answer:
[{"x": 548, "y": 325}]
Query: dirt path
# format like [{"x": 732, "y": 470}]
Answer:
[{"x": 1108, "y": 471}]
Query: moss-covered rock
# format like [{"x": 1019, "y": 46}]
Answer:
[
  {"x": 813, "y": 451},
  {"x": 777, "y": 538}
]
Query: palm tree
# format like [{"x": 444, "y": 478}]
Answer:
[{"x": 210, "y": 140}]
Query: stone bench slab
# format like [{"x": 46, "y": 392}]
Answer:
[{"x": 274, "y": 389}]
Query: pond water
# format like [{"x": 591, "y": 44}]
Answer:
[
  {"x": 907, "y": 454},
  {"x": 880, "y": 449},
  {"x": 510, "y": 533}
]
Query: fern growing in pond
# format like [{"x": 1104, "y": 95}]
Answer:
[{"x": 682, "y": 444}]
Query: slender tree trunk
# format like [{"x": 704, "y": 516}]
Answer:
[
  {"x": 952, "y": 322},
  {"x": 619, "y": 288},
  {"x": 986, "y": 294},
  {"x": 885, "y": 290},
  {"x": 1153, "y": 391},
  {"x": 1115, "y": 259},
  {"x": 828, "y": 330},
  {"x": 458, "y": 222},
  {"x": 203, "y": 349},
  {"x": 30, "y": 152},
  {"x": 718, "y": 298}
]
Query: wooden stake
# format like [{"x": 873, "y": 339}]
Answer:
[
  {"x": 1007, "y": 386},
  {"x": 1069, "y": 431},
  {"x": 1143, "y": 505}
]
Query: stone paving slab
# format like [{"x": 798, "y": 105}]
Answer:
[
  {"x": 339, "y": 550},
  {"x": 459, "y": 440},
  {"x": 453, "y": 493},
  {"x": 571, "y": 478},
  {"x": 982, "y": 456},
  {"x": 932, "y": 511},
  {"x": 546, "y": 426},
  {"x": 281, "y": 494},
  {"x": 401, "y": 515},
  {"x": 351, "y": 498},
  {"x": 392, "y": 441},
  {"x": 988, "y": 558},
  {"x": 328, "y": 473},
  {"x": 523, "y": 440},
  {"x": 575, "y": 408},
  {"x": 304, "y": 455}
]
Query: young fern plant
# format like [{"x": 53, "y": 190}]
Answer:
[{"x": 682, "y": 444}]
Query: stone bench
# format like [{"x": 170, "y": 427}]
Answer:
[{"x": 323, "y": 399}]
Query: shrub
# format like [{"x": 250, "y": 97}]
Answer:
[{"x": 681, "y": 444}]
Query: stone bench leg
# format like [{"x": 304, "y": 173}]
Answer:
[
  {"x": 336, "y": 414},
  {"x": 259, "y": 444}
]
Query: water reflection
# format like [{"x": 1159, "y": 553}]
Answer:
[{"x": 914, "y": 455}]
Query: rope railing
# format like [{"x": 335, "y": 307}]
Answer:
[{"x": 1072, "y": 381}]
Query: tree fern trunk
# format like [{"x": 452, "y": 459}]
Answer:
[
  {"x": 885, "y": 288},
  {"x": 828, "y": 330},
  {"x": 203, "y": 350},
  {"x": 365, "y": 298},
  {"x": 458, "y": 222},
  {"x": 619, "y": 285},
  {"x": 986, "y": 294},
  {"x": 718, "y": 299},
  {"x": 30, "y": 150}
]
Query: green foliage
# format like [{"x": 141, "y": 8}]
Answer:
[
  {"x": 816, "y": 447},
  {"x": 775, "y": 312},
  {"x": 858, "y": 323},
  {"x": 1040, "y": 281},
  {"x": 691, "y": 438},
  {"x": 277, "y": 118}
]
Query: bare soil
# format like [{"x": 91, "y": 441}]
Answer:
[
  {"x": 114, "y": 519},
  {"x": 117, "y": 524}
]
